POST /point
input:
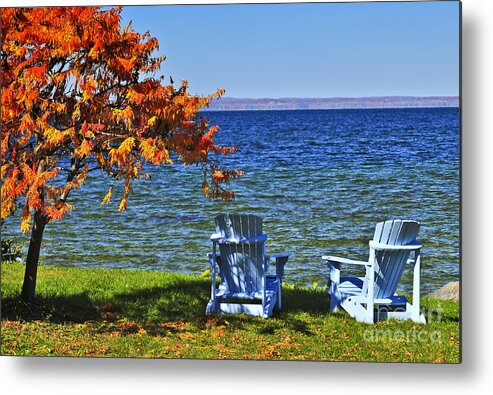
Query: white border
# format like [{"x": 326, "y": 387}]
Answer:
[{"x": 122, "y": 376}]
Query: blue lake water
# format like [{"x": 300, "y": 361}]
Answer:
[{"x": 321, "y": 179}]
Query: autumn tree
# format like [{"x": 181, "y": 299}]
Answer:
[{"x": 80, "y": 93}]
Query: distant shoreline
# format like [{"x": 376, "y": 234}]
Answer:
[
  {"x": 381, "y": 102},
  {"x": 318, "y": 109}
]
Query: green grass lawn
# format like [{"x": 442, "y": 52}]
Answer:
[{"x": 149, "y": 314}]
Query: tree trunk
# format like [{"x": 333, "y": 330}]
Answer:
[
  {"x": 39, "y": 223},
  {"x": 29, "y": 285}
]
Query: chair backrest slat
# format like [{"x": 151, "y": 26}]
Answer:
[
  {"x": 390, "y": 264},
  {"x": 242, "y": 265}
]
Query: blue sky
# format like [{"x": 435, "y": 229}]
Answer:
[{"x": 310, "y": 49}]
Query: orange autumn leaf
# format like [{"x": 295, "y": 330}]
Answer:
[
  {"x": 107, "y": 197},
  {"x": 85, "y": 149},
  {"x": 219, "y": 176}
]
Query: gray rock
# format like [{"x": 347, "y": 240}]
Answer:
[{"x": 448, "y": 291}]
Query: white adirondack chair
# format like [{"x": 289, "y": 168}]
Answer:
[
  {"x": 390, "y": 250},
  {"x": 245, "y": 286}
]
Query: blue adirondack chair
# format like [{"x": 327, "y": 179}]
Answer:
[
  {"x": 245, "y": 284},
  {"x": 390, "y": 250}
]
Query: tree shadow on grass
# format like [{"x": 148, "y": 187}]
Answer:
[
  {"x": 180, "y": 301},
  {"x": 164, "y": 308},
  {"x": 186, "y": 302},
  {"x": 305, "y": 300},
  {"x": 57, "y": 309}
]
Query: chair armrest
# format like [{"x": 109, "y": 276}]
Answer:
[
  {"x": 218, "y": 238},
  {"x": 281, "y": 260},
  {"x": 416, "y": 245},
  {"x": 210, "y": 255},
  {"x": 330, "y": 258},
  {"x": 278, "y": 256}
]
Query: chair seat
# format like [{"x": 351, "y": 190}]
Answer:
[
  {"x": 351, "y": 285},
  {"x": 272, "y": 286}
]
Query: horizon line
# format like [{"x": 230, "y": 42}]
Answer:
[{"x": 340, "y": 97}]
